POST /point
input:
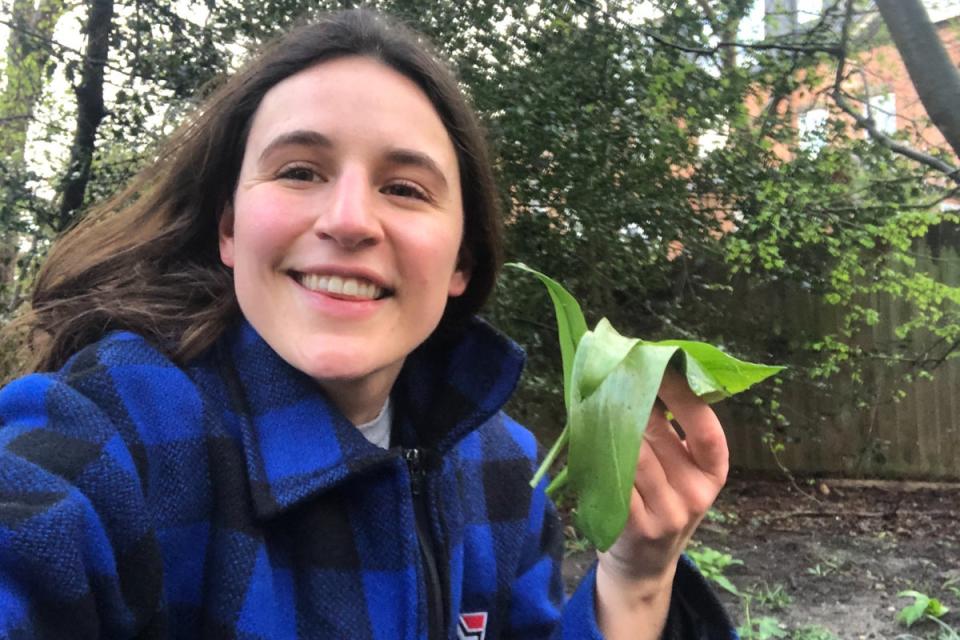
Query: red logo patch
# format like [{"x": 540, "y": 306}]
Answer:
[{"x": 473, "y": 626}]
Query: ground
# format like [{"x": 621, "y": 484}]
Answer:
[{"x": 832, "y": 555}]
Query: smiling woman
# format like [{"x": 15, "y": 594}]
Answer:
[
  {"x": 261, "y": 405},
  {"x": 349, "y": 181}
]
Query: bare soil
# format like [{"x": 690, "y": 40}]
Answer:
[{"x": 840, "y": 550}]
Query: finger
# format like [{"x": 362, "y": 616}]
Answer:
[
  {"x": 662, "y": 512},
  {"x": 705, "y": 439},
  {"x": 696, "y": 489},
  {"x": 677, "y": 462}
]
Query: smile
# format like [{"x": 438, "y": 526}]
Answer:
[{"x": 340, "y": 286}]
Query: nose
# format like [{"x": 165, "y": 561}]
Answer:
[{"x": 348, "y": 217}]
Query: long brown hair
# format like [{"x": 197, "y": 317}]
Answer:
[{"x": 147, "y": 260}]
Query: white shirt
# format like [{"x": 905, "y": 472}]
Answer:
[{"x": 377, "y": 431}]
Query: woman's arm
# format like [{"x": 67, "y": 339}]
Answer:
[{"x": 78, "y": 556}]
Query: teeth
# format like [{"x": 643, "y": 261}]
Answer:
[{"x": 341, "y": 286}]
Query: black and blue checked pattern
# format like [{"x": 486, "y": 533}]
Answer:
[{"x": 229, "y": 500}]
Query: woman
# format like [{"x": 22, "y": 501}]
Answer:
[{"x": 269, "y": 411}]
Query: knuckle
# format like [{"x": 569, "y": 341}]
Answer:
[{"x": 701, "y": 499}]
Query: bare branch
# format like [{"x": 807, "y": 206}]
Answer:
[
  {"x": 951, "y": 172},
  {"x": 933, "y": 73},
  {"x": 824, "y": 47},
  {"x": 868, "y": 124}
]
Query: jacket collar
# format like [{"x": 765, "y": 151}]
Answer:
[{"x": 297, "y": 444}]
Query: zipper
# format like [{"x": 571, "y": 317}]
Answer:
[{"x": 416, "y": 463}]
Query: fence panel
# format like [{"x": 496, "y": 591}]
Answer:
[{"x": 917, "y": 437}]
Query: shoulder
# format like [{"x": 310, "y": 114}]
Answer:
[
  {"x": 120, "y": 393},
  {"x": 74, "y": 526}
]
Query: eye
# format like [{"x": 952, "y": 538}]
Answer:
[
  {"x": 298, "y": 173},
  {"x": 406, "y": 189}
]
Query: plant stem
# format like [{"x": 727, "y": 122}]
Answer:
[
  {"x": 551, "y": 456},
  {"x": 557, "y": 482},
  {"x": 949, "y": 633}
]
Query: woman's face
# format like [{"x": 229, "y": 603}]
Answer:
[{"x": 345, "y": 226}]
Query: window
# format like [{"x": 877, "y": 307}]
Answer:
[
  {"x": 711, "y": 140},
  {"x": 811, "y": 127},
  {"x": 751, "y": 28},
  {"x": 883, "y": 109}
]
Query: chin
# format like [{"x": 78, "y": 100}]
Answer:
[{"x": 338, "y": 364}]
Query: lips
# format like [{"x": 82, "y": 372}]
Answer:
[{"x": 341, "y": 286}]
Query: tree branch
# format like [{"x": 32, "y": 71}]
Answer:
[
  {"x": 831, "y": 48},
  {"x": 868, "y": 124},
  {"x": 933, "y": 74}
]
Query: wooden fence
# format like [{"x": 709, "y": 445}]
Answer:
[{"x": 917, "y": 437}]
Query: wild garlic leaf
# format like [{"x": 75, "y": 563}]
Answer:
[
  {"x": 571, "y": 324},
  {"x": 610, "y": 386},
  {"x": 606, "y": 430},
  {"x": 714, "y": 375}
]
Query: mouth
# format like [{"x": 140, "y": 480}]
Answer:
[{"x": 349, "y": 288}]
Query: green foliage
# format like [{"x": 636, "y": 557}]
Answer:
[
  {"x": 773, "y": 597},
  {"x": 712, "y": 564},
  {"x": 610, "y": 386},
  {"x": 595, "y": 119},
  {"x": 922, "y": 607},
  {"x": 763, "y": 628},
  {"x": 822, "y": 569}
]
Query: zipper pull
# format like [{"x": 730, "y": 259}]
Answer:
[{"x": 414, "y": 460}]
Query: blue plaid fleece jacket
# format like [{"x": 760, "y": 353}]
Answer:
[{"x": 229, "y": 500}]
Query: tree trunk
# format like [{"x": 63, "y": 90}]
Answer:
[
  {"x": 28, "y": 55},
  {"x": 934, "y": 76},
  {"x": 90, "y": 110}
]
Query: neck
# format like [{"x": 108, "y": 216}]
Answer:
[{"x": 360, "y": 400}]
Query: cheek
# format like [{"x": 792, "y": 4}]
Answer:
[
  {"x": 436, "y": 253},
  {"x": 262, "y": 231}
]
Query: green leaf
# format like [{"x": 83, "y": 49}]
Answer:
[
  {"x": 714, "y": 375},
  {"x": 724, "y": 582},
  {"x": 610, "y": 387},
  {"x": 607, "y": 349},
  {"x": 913, "y": 612},
  {"x": 571, "y": 324},
  {"x": 606, "y": 430},
  {"x": 936, "y": 608},
  {"x": 768, "y": 627}
]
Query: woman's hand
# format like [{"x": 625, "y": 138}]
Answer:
[{"x": 676, "y": 482}]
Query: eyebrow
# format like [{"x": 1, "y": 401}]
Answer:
[
  {"x": 408, "y": 157},
  {"x": 298, "y": 138},
  {"x": 401, "y": 157}
]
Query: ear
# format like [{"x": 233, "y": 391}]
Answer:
[
  {"x": 458, "y": 282},
  {"x": 225, "y": 233}
]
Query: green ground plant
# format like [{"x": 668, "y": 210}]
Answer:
[
  {"x": 928, "y": 610},
  {"x": 953, "y": 586},
  {"x": 823, "y": 569},
  {"x": 923, "y": 607},
  {"x": 773, "y": 597},
  {"x": 712, "y": 564},
  {"x": 762, "y": 629}
]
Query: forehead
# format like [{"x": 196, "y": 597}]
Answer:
[{"x": 355, "y": 100}]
